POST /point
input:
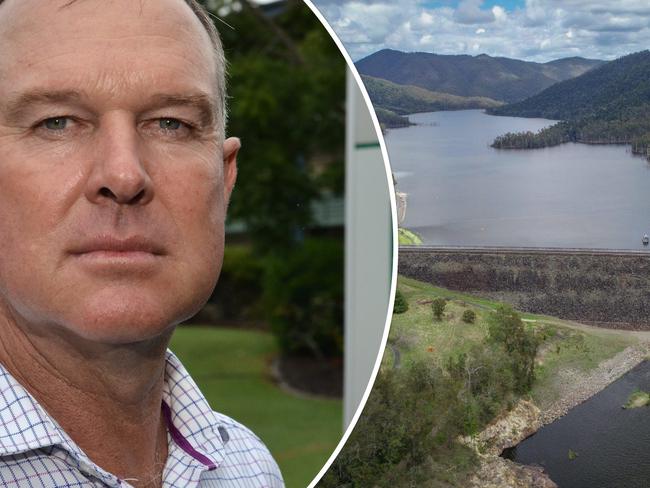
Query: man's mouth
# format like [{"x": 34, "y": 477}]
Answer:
[{"x": 112, "y": 249}]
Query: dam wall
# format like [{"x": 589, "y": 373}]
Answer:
[{"x": 602, "y": 287}]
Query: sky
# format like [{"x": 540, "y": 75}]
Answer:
[{"x": 532, "y": 30}]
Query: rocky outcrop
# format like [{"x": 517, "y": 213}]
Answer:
[
  {"x": 526, "y": 418},
  {"x": 496, "y": 472},
  {"x": 507, "y": 431}
]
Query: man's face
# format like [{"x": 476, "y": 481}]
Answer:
[{"x": 114, "y": 179}]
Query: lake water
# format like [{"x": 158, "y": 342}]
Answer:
[
  {"x": 611, "y": 443},
  {"x": 463, "y": 192}
]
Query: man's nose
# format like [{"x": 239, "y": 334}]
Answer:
[{"x": 118, "y": 172}]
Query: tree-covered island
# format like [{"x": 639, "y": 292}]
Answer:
[{"x": 607, "y": 105}]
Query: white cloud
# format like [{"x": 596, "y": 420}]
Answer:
[
  {"x": 426, "y": 18},
  {"x": 540, "y": 30},
  {"x": 499, "y": 13}
]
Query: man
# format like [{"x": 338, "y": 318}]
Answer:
[{"x": 114, "y": 181}]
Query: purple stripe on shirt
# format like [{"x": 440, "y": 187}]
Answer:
[{"x": 182, "y": 442}]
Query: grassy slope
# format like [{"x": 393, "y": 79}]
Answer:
[
  {"x": 232, "y": 369},
  {"x": 418, "y": 336},
  {"x": 408, "y": 237}
]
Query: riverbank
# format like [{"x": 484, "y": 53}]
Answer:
[
  {"x": 508, "y": 430},
  {"x": 574, "y": 361},
  {"x": 526, "y": 418},
  {"x": 579, "y": 386}
]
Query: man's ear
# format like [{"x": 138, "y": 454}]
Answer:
[{"x": 230, "y": 149}]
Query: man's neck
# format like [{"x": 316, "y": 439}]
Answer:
[{"x": 106, "y": 397}]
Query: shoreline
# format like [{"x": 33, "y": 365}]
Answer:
[
  {"x": 526, "y": 418},
  {"x": 582, "y": 387}
]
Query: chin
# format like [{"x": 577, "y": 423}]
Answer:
[{"x": 130, "y": 320}]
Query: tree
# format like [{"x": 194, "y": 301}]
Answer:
[
  {"x": 506, "y": 329},
  {"x": 287, "y": 103},
  {"x": 286, "y": 89},
  {"x": 438, "y": 307},
  {"x": 469, "y": 316},
  {"x": 400, "y": 305}
]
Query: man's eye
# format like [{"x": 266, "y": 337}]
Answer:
[
  {"x": 170, "y": 124},
  {"x": 55, "y": 123}
]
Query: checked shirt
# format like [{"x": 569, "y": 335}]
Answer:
[{"x": 206, "y": 449}]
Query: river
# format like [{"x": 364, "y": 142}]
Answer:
[
  {"x": 609, "y": 442},
  {"x": 463, "y": 192}
]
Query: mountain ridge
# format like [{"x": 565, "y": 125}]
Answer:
[{"x": 499, "y": 78}]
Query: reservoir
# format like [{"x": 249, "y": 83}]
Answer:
[
  {"x": 610, "y": 443},
  {"x": 463, "y": 192}
]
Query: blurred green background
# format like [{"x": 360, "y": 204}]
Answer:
[
  {"x": 267, "y": 348},
  {"x": 232, "y": 368}
]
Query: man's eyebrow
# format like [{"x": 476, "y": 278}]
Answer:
[
  {"x": 14, "y": 107},
  {"x": 201, "y": 102}
]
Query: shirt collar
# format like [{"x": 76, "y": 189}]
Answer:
[
  {"x": 195, "y": 428},
  {"x": 191, "y": 422}
]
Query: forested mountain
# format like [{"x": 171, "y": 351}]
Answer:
[
  {"x": 609, "y": 104},
  {"x": 392, "y": 100},
  {"x": 497, "y": 78}
]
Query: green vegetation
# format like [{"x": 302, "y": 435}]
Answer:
[
  {"x": 564, "y": 348},
  {"x": 238, "y": 294},
  {"x": 608, "y": 105},
  {"x": 390, "y": 120},
  {"x": 400, "y": 305},
  {"x": 303, "y": 297},
  {"x": 520, "y": 343},
  {"x": 286, "y": 91},
  {"x": 281, "y": 65},
  {"x": 577, "y": 350},
  {"x": 469, "y": 316},
  {"x": 453, "y": 379},
  {"x": 408, "y": 237},
  {"x": 300, "y": 296},
  {"x": 572, "y": 454},
  {"x": 405, "y": 436},
  {"x": 638, "y": 399},
  {"x": 438, "y": 307},
  {"x": 392, "y": 100},
  {"x": 232, "y": 369},
  {"x": 409, "y": 431}
]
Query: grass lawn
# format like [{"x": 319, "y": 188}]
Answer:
[
  {"x": 232, "y": 366},
  {"x": 419, "y": 336},
  {"x": 408, "y": 237}
]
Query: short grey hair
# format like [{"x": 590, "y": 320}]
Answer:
[{"x": 220, "y": 61}]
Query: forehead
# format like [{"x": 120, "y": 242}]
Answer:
[{"x": 103, "y": 45}]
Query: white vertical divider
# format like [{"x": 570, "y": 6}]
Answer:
[{"x": 368, "y": 248}]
